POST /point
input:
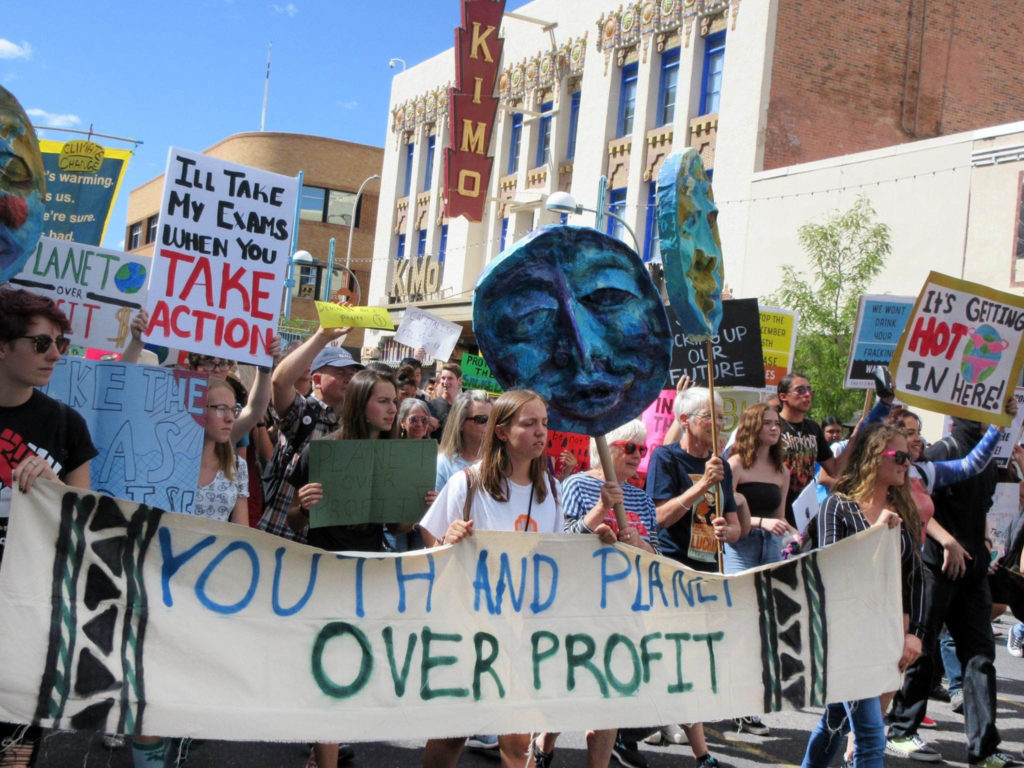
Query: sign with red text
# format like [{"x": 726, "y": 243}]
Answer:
[
  {"x": 472, "y": 106},
  {"x": 99, "y": 290},
  {"x": 961, "y": 351},
  {"x": 221, "y": 257},
  {"x": 778, "y": 343}
]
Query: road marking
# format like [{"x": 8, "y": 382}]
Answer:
[{"x": 750, "y": 749}]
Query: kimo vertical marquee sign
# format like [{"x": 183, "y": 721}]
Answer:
[{"x": 472, "y": 107}]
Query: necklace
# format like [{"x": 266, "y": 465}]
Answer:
[{"x": 799, "y": 431}]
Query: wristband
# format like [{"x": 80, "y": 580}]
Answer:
[{"x": 683, "y": 506}]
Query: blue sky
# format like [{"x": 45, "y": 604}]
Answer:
[{"x": 190, "y": 73}]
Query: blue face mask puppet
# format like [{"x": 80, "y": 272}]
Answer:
[
  {"x": 691, "y": 251},
  {"x": 22, "y": 187},
  {"x": 573, "y": 314}
]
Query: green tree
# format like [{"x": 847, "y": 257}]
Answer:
[{"x": 845, "y": 253}]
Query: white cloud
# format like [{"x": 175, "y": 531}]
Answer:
[
  {"x": 51, "y": 120},
  {"x": 349, "y": 104},
  {"x": 11, "y": 50},
  {"x": 290, "y": 10}
]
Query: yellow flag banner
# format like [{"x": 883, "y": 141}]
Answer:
[
  {"x": 338, "y": 316},
  {"x": 117, "y": 616}
]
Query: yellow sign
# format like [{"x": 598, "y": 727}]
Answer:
[
  {"x": 81, "y": 156},
  {"x": 778, "y": 340},
  {"x": 337, "y": 316}
]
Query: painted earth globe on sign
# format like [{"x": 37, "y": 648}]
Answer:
[
  {"x": 982, "y": 354},
  {"x": 130, "y": 277}
]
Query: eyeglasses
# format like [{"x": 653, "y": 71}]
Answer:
[
  {"x": 804, "y": 390},
  {"x": 213, "y": 365},
  {"x": 224, "y": 410},
  {"x": 630, "y": 448},
  {"x": 900, "y": 457},
  {"x": 42, "y": 343},
  {"x": 418, "y": 420},
  {"x": 477, "y": 419}
]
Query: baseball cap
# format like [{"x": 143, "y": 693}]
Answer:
[{"x": 334, "y": 357}]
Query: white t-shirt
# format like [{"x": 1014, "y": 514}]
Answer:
[{"x": 491, "y": 515}]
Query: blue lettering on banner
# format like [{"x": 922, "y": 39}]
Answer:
[
  {"x": 276, "y": 593},
  {"x": 402, "y": 578},
  {"x": 171, "y": 562},
  {"x": 216, "y": 607}
]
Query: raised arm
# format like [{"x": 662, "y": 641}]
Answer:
[
  {"x": 133, "y": 351},
  {"x": 957, "y": 470},
  {"x": 259, "y": 397},
  {"x": 291, "y": 369}
]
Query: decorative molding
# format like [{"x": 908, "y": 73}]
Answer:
[
  {"x": 425, "y": 109},
  {"x": 536, "y": 178},
  {"x": 523, "y": 81},
  {"x": 635, "y": 24},
  {"x": 659, "y": 145}
]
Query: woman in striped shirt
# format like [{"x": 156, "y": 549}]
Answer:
[{"x": 872, "y": 490}]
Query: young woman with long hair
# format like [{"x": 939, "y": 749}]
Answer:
[
  {"x": 872, "y": 490},
  {"x": 509, "y": 489},
  {"x": 223, "y": 476}
]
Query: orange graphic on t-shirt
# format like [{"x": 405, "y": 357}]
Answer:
[{"x": 521, "y": 523}]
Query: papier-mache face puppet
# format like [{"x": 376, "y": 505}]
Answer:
[
  {"x": 572, "y": 313},
  {"x": 691, "y": 251},
  {"x": 22, "y": 187}
]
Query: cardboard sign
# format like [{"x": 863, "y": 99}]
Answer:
[
  {"x": 578, "y": 445},
  {"x": 82, "y": 182},
  {"x": 146, "y": 422},
  {"x": 1011, "y": 436},
  {"x": 1005, "y": 508},
  {"x": 123, "y": 617},
  {"x": 221, "y": 257},
  {"x": 880, "y": 323},
  {"x": 477, "y": 375},
  {"x": 735, "y": 348},
  {"x": 98, "y": 290},
  {"x": 778, "y": 340},
  {"x": 423, "y": 329},
  {"x": 371, "y": 481},
  {"x": 961, "y": 352},
  {"x": 338, "y": 316}
]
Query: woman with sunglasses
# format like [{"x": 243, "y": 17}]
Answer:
[
  {"x": 414, "y": 419},
  {"x": 463, "y": 434},
  {"x": 872, "y": 490}
]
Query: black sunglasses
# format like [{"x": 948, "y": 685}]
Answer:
[
  {"x": 477, "y": 419},
  {"x": 42, "y": 343},
  {"x": 900, "y": 457}
]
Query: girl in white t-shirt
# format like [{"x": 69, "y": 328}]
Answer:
[{"x": 512, "y": 491}]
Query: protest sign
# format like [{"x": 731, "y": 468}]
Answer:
[
  {"x": 338, "y": 316},
  {"x": 961, "y": 352},
  {"x": 422, "y": 329},
  {"x": 735, "y": 349},
  {"x": 880, "y": 322},
  {"x": 121, "y": 617},
  {"x": 1012, "y": 434},
  {"x": 805, "y": 506},
  {"x": 778, "y": 340},
  {"x": 577, "y": 445},
  {"x": 221, "y": 256},
  {"x": 371, "y": 481},
  {"x": 476, "y": 374},
  {"x": 1005, "y": 507},
  {"x": 98, "y": 290},
  {"x": 146, "y": 422},
  {"x": 82, "y": 182}
]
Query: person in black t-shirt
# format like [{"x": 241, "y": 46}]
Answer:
[
  {"x": 803, "y": 442},
  {"x": 39, "y": 436}
]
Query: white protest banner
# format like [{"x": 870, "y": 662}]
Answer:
[
  {"x": 961, "y": 352},
  {"x": 97, "y": 289},
  {"x": 120, "y": 617},
  {"x": 221, "y": 257},
  {"x": 1012, "y": 434},
  {"x": 880, "y": 322},
  {"x": 423, "y": 329}
]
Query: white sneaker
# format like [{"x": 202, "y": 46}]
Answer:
[{"x": 1014, "y": 645}]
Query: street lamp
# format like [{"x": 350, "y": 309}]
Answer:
[
  {"x": 397, "y": 60},
  {"x": 352, "y": 220},
  {"x": 563, "y": 202},
  {"x": 299, "y": 257}
]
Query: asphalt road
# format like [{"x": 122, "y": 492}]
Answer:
[{"x": 783, "y": 747}]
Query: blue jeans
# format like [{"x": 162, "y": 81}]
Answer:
[
  {"x": 758, "y": 548},
  {"x": 829, "y": 734},
  {"x": 954, "y": 671}
]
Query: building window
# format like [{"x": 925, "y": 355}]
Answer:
[
  {"x": 134, "y": 236},
  {"x": 308, "y": 281},
  {"x": 617, "y": 205},
  {"x": 544, "y": 135},
  {"x": 312, "y": 206},
  {"x": 444, "y": 244},
  {"x": 430, "y": 163},
  {"x": 515, "y": 139},
  {"x": 151, "y": 229},
  {"x": 574, "y": 121},
  {"x": 400, "y": 254},
  {"x": 504, "y": 232},
  {"x": 652, "y": 241},
  {"x": 627, "y": 100},
  {"x": 408, "y": 169},
  {"x": 339, "y": 208},
  {"x": 667, "y": 87},
  {"x": 711, "y": 80},
  {"x": 421, "y": 243}
]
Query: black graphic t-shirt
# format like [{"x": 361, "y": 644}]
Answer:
[
  {"x": 803, "y": 444},
  {"x": 40, "y": 427}
]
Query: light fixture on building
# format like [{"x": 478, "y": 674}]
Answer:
[
  {"x": 563, "y": 202},
  {"x": 299, "y": 257},
  {"x": 400, "y": 61}
]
